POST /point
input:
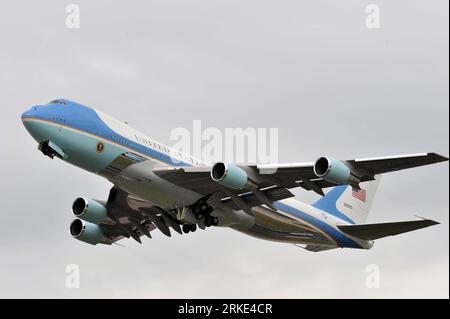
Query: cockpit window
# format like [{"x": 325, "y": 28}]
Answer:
[{"x": 58, "y": 102}]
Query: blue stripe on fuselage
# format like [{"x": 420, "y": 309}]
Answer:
[{"x": 341, "y": 239}]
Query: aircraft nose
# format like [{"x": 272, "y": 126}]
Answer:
[
  {"x": 31, "y": 112},
  {"x": 31, "y": 126}
]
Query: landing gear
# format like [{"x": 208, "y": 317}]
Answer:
[
  {"x": 211, "y": 221},
  {"x": 201, "y": 210},
  {"x": 189, "y": 228},
  {"x": 46, "y": 149},
  {"x": 208, "y": 222}
]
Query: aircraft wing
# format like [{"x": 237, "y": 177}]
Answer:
[
  {"x": 286, "y": 176},
  {"x": 302, "y": 174}
]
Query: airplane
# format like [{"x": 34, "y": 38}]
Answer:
[{"x": 155, "y": 187}]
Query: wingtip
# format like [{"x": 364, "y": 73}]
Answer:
[
  {"x": 438, "y": 158},
  {"x": 429, "y": 221},
  {"x": 433, "y": 222}
]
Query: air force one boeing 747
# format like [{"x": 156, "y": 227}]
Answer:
[{"x": 157, "y": 188}]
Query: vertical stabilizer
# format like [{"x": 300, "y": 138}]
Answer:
[{"x": 348, "y": 203}]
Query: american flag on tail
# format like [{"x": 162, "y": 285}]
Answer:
[{"x": 360, "y": 194}]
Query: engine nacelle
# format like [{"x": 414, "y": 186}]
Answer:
[
  {"x": 89, "y": 210},
  {"x": 87, "y": 232},
  {"x": 231, "y": 175},
  {"x": 334, "y": 171}
]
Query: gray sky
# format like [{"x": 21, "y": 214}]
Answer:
[{"x": 310, "y": 68}]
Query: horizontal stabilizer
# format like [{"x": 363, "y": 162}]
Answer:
[{"x": 376, "y": 231}]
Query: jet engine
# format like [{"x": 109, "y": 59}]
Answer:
[
  {"x": 87, "y": 232},
  {"x": 334, "y": 171},
  {"x": 232, "y": 176},
  {"x": 89, "y": 210}
]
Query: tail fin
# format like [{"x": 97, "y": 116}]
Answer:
[{"x": 348, "y": 203}]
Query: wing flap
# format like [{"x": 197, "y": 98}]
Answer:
[
  {"x": 380, "y": 230},
  {"x": 272, "y": 194},
  {"x": 135, "y": 217}
]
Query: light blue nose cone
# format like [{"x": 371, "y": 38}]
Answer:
[
  {"x": 27, "y": 120},
  {"x": 31, "y": 112}
]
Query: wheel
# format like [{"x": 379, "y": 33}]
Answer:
[
  {"x": 214, "y": 221},
  {"x": 193, "y": 227},
  {"x": 208, "y": 221},
  {"x": 199, "y": 216},
  {"x": 186, "y": 228}
]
